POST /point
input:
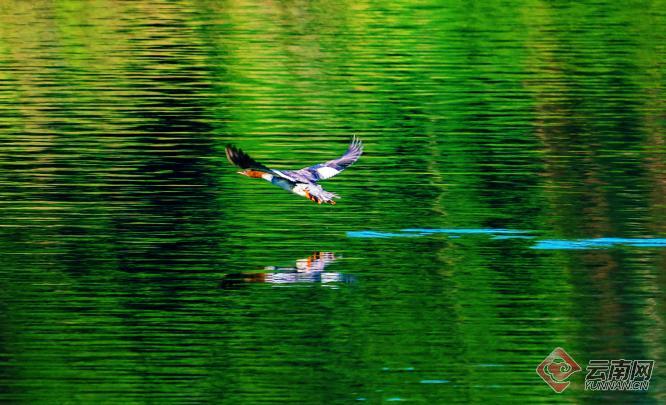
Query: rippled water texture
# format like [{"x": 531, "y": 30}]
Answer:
[{"x": 511, "y": 199}]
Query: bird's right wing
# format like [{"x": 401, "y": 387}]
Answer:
[{"x": 326, "y": 170}]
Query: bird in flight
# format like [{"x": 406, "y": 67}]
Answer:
[{"x": 302, "y": 182}]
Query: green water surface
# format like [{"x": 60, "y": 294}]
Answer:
[{"x": 505, "y": 143}]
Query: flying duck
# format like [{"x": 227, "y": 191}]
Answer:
[{"x": 302, "y": 182}]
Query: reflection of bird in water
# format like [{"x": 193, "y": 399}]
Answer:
[
  {"x": 302, "y": 182},
  {"x": 315, "y": 262},
  {"x": 308, "y": 270}
]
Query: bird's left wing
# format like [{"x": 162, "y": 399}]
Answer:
[
  {"x": 326, "y": 170},
  {"x": 241, "y": 159}
]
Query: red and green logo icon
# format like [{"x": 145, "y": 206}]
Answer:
[{"x": 556, "y": 369}]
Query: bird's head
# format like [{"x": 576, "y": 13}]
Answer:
[{"x": 251, "y": 173}]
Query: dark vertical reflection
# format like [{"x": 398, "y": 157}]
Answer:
[{"x": 590, "y": 125}]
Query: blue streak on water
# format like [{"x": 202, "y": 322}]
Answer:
[
  {"x": 374, "y": 234},
  {"x": 598, "y": 243},
  {"x": 502, "y": 237},
  {"x": 415, "y": 232},
  {"x": 482, "y": 231},
  {"x": 502, "y": 234}
]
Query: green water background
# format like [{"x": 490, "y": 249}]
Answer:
[{"x": 120, "y": 219}]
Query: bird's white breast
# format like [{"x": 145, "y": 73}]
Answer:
[{"x": 300, "y": 189}]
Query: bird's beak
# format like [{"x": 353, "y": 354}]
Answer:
[{"x": 242, "y": 172}]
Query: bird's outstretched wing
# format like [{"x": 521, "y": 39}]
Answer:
[
  {"x": 241, "y": 159},
  {"x": 326, "y": 170}
]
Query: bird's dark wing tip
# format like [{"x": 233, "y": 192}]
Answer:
[
  {"x": 236, "y": 156},
  {"x": 232, "y": 153},
  {"x": 241, "y": 159}
]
